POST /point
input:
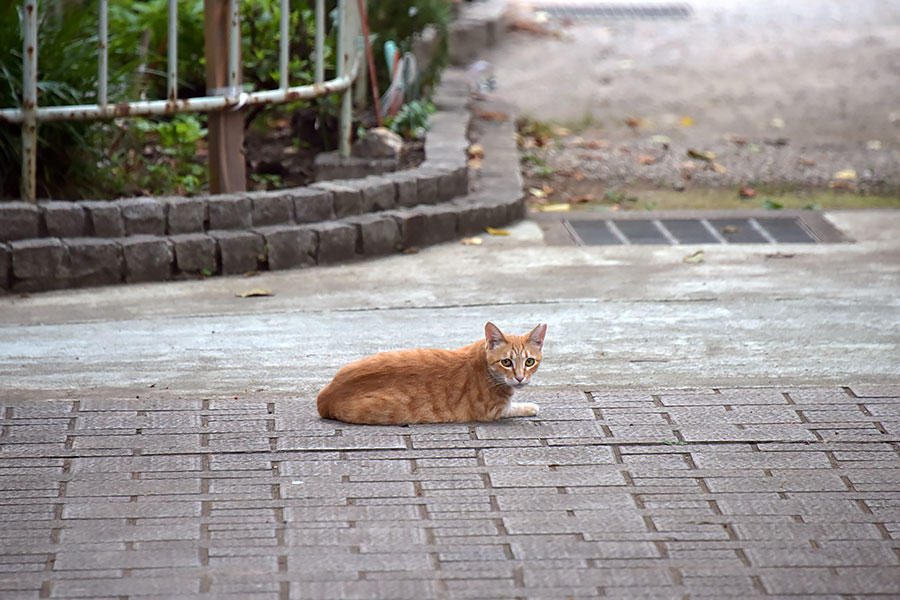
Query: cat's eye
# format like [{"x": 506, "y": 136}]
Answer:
[
  {"x": 506, "y": 362},
  {"x": 529, "y": 362}
]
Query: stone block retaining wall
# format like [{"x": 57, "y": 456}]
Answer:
[{"x": 52, "y": 245}]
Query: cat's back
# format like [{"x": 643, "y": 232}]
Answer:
[
  {"x": 393, "y": 365},
  {"x": 404, "y": 373}
]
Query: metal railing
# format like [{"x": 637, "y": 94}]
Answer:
[{"x": 30, "y": 115}]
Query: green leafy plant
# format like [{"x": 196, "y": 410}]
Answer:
[
  {"x": 530, "y": 158},
  {"x": 412, "y": 120},
  {"x": 67, "y": 74},
  {"x": 159, "y": 157},
  {"x": 402, "y": 23}
]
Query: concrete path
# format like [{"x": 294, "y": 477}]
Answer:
[{"x": 806, "y": 86}]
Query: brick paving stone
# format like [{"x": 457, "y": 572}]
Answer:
[
  {"x": 528, "y": 508},
  {"x": 562, "y": 476},
  {"x": 876, "y": 390},
  {"x": 548, "y": 456}
]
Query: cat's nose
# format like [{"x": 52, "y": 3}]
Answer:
[{"x": 519, "y": 378}]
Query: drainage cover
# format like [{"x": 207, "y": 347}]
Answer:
[
  {"x": 711, "y": 230},
  {"x": 616, "y": 10}
]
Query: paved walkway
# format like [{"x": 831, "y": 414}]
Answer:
[
  {"x": 667, "y": 494},
  {"x": 722, "y": 429}
]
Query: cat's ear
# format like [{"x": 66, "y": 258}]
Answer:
[
  {"x": 536, "y": 335},
  {"x": 493, "y": 335}
]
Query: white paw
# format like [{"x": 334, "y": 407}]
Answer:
[{"x": 529, "y": 409}]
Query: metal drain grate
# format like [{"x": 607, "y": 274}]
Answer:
[
  {"x": 614, "y": 10},
  {"x": 721, "y": 230}
]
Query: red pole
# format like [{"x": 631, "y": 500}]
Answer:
[{"x": 369, "y": 59}]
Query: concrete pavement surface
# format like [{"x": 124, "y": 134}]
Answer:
[{"x": 805, "y": 87}]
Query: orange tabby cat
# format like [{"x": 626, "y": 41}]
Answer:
[{"x": 474, "y": 383}]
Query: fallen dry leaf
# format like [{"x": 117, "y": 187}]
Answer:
[
  {"x": 253, "y": 293},
  {"x": 746, "y": 192},
  {"x": 559, "y": 207},
  {"x": 561, "y": 131},
  {"x": 737, "y": 141},
  {"x": 777, "y": 123},
  {"x": 687, "y": 121},
  {"x": 846, "y": 174},
  {"x": 537, "y": 192},
  {"x": 412, "y": 250},
  {"x": 701, "y": 155},
  {"x": 646, "y": 159},
  {"x": 874, "y": 145},
  {"x": 694, "y": 257},
  {"x": 582, "y": 199},
  {"x": 633, "y": 122},
  {"x": 547, "y": 189},
  {"x": 781, "y": 141},
  {"x": 780, "y": 255},
  {"x": 251, "y": 273},
  {"x": 841, "y": 184},
  {"x": 493, "y": 115},
  {"x": 592, "y": 144},
  {"x": 806, "y": 162},
  {"x": 474, "y": 163},
  {"x": 689, "y": 165},
  {"x": 471, "y": 241},
  {"x": 719, "y": 168},
  {"x": 493, "y": 231},
  {"x": 731, "y": 229},
  {"x": 476, "y": 151}
]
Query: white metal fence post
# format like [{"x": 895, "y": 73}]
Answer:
[
  {"x": 345, "y": 48},
  {"x": 29, "y": 101},
  {"x": 103, "y": 54},
  {"x": 172, "y": 63}
]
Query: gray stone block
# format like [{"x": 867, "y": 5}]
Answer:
[
  {"x": 147, "y": 258},
  {"x": 448, "y": 185},
  {"x": 229, "y": 211},
  {"x": 289, "y": 246},
  {"x": 347, "y": 199},
  {"x": 337, "y": 242},
  {"x": 406, "y": 189},
  {"x": 104, "y": 218},
  {"x": 143, "y": 216},
  {"x": 19, "y": 221},
  {"x": 195, "y": 253},
  {"x": 64, "y": 219},
  {"x": 412, "y": 227},
  {"x": 5, "y": 266},
  {"x": 376, "y": 234},
  {"x": 466, "y": 38},
  {"x": 312, "y": 204},
  {"x": 38, "y": 264},
  {"x": 378, "y": 193},
  {"x": 271, "y": 208},
  {"x": 471, "y": 217},
  {"x": 186, "y": 215},
  {"x": 331, "y": 166},
  {"x": 239, "y": 251},
  {"x": 440, "y": 223},
  {"x": 94, "y": 261},
  {"x": 427, "y": 187},
  {"x": 39, "y": 258}
]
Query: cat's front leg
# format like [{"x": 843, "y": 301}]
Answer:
[{"x": 520, "y": 409}]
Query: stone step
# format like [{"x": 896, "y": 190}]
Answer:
[{"x": 55, "y": 245}]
